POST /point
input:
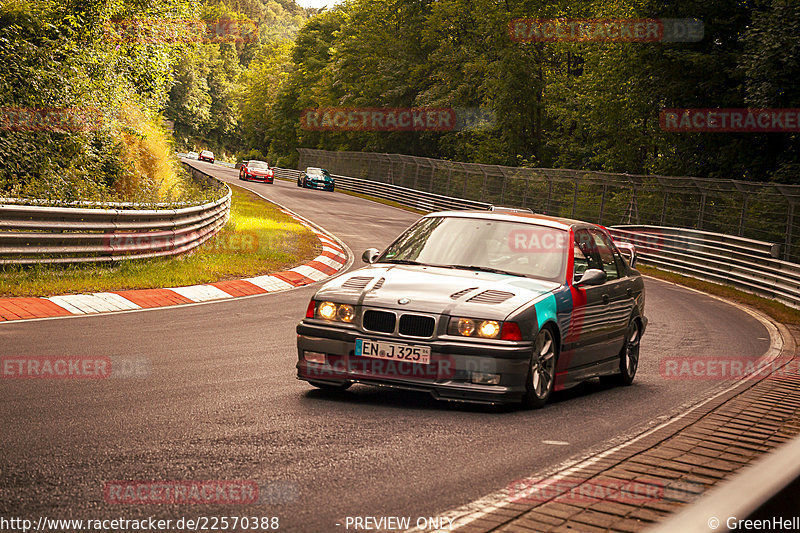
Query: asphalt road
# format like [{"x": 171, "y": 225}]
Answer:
[{"x": 221, "y": 402}]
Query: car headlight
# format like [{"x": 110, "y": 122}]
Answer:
[
  {"x": 484, "y": 329},
  {"x": 332, "y": 312}
]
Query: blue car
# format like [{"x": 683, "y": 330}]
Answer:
[{"x": 316, "y": 178}]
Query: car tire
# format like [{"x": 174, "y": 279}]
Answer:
[
  {"x": 540, "y": 381},
  {"x": 332, "y": 387},
  {"x": 628, "y": 357}
]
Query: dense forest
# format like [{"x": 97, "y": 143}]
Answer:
[
  {"x": 569, "y": 105},
  {"x": 586, "y": 105}
]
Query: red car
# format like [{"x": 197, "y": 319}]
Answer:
[
  {"x": 206, "y": 155},
  {"x": 256, "y": 171}
]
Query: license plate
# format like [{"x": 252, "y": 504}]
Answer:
[{"x": 393, "y": 351}]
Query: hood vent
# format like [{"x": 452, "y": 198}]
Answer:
[
  {"x": 379, "y": 284},
  {"x": 459, "y": 294},
  {"x": 357, "y": 283},
  {"x": 491, "y": 297}
]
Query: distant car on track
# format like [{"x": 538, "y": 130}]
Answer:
[
  {"x": 192, "y": 155},
  {"x": 256, "y": 171},
  {"x": 206, "y": 155},
  {"x": 490, "y": 307},
  {"x": 316, "y": 178}
]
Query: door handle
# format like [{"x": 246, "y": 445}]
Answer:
[{"x": 605, "y": 299}]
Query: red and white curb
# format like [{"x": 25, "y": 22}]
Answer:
[{"x": 333, "y": 259}]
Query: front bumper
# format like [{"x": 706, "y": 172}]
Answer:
[
  {"x": 318, "y": 185},
  {"x": 447, "y": 377},
  {"x": 263, "y": 179}
]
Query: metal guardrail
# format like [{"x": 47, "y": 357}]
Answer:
[
  {"x": 756, "y": 210},
  {"x": 34, "y": 234},
  {"x": 424, "y": 201},
  {"x": 745, "y": 264}
]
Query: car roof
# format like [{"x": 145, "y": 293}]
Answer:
[{"x": 530, "y": 218}]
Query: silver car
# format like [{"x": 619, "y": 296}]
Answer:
[{"x": 489, "y": 307}]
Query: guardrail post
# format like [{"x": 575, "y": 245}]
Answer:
[
  {"x": 525, "y": 192},
  {"x": 702, "y": 210},
  {"x": 449, "y": 177},
  {"x": 742, "y": 215},
  {"x": 575, "y": 199},
  {"x": 602, "y": 204},
  {"x": 789, "y": 224}
]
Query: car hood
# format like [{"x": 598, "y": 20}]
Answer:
[
  {"x": 319, "y": 178},
  {"x": 436, "y": 290},
  {"x": 258, "y": 171}
]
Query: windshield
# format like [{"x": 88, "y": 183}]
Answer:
[
  {"x": 479, "y": 244},
  {"x": 317, "y": 172},
  {"x": 258, "y": 165}
]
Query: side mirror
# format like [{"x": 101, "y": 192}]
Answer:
[
  {"x": 370, "y": 255},
  {"x": 593, "y": 276}
]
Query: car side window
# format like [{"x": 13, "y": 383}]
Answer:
[
  {"x": 607, "y": 256},
  {"x": 585, "y": 255}
]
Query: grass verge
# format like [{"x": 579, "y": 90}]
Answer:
[
  {"x": 258, "y": 239},
  {"x": 780, "y": 312}
]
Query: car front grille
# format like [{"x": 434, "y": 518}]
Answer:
[
  {"x": 417, "y": 325},
  {"x": 380, "y": 321}
]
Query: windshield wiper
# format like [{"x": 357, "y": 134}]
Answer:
[
  {"x": 401, "y": 261},
  {"x": 485, "y": 269}
]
